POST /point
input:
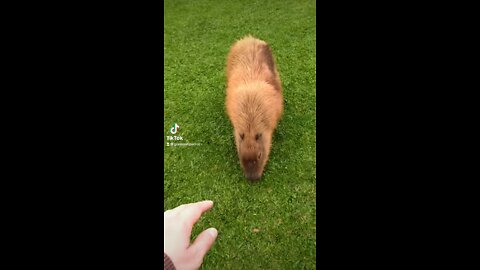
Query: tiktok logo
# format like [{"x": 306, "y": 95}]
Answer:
[{"x": 174, "y": 129}]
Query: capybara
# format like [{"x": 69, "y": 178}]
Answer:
[{"x": 254, "y": 102}]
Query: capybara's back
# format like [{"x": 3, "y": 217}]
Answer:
[{"x": 254, "y": 102}]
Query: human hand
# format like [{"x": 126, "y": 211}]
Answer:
[{"x": 177, "y": 229}]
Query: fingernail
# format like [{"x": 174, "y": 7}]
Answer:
[
  {"x": 213, "y": 232},
  {"x": 209, "y": 201}
]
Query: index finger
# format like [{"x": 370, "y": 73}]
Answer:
[{"x": 192, "y": 212}]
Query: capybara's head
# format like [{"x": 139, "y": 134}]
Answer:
[{"x": 253, "y": 148}]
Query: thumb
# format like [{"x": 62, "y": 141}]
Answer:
[{"x": 204, "y": 242}]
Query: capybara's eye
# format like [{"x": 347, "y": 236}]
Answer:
[
  {"x": 258, "y": 136},
  {"x": 259, "y": 155},
  {"x": 242, "y": 135}
]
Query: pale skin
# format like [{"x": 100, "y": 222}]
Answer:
[{"x": 177, "y": 229}]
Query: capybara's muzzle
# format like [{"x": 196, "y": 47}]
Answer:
[{"x": 251, "y": 169}]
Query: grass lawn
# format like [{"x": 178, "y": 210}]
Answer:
[{"x": 265, "y": 225}]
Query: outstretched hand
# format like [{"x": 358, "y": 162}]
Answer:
[{"x": 177, "y": 229}]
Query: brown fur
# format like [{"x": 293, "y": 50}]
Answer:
[{"x": 254, "y": 102}]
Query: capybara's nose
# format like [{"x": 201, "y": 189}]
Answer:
[
  {"x": 249, "y": 163},
  {"x": 252, "y": 177}
]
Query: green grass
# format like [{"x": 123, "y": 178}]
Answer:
[{"x": 198, "y": 35}]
